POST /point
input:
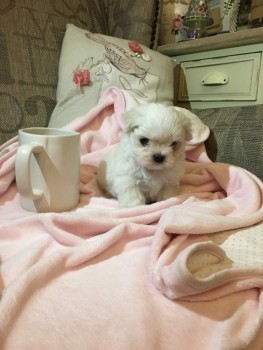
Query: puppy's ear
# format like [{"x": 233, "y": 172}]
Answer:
[
  {"x": 196, "y": 131},
  {"x": 183, "y": 121},
  {"x": 187, "y": 130},
  {"x": 131, "y": 119}
]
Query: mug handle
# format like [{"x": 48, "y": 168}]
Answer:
[{"x": 22, "y": 170}]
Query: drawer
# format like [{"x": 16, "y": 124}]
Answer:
[{"x": 220, "y": 79}]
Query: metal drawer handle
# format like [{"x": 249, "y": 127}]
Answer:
[{"x": 215, "y": 78}]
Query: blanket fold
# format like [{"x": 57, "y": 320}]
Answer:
[{"x": 176, "y": 263}]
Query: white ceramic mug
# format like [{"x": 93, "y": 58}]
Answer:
[{"x": 48, "y": 169}]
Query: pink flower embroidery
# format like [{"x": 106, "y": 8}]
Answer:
[
  {"x": 177, "y": 24},
  {"x": 135, "y": 47},
  {"x": 177, "y": 21},
  {"x": 81, "y": 77}
]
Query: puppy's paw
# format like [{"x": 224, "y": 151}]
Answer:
[
  {"x": 169, "y": 192},
  {"x": 131, "y": 199}
]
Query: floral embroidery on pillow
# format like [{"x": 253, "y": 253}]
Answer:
[
  {"x": 81, "y": 77},
  {"x": 135, "y": 47},
  {"x": 116, "y": 56}
]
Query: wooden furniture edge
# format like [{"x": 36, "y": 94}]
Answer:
[{"x": 215, "y": 42}]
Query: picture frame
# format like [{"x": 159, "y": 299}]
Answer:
[{"x": 223, "y": 22}]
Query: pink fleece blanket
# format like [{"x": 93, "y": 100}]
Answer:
[{"x": 186, "y": 273}]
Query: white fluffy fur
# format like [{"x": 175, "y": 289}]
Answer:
[{"x": 130, "y": 173}]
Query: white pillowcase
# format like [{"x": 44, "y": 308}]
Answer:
[{"x": 111, "y": 62}]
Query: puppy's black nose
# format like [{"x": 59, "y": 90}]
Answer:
[{"x": 158, "y": 158}]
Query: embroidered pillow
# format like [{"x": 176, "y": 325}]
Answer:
[{"x": 90, "y": 63}]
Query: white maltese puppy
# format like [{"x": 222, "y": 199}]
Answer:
[{"x": 148, "y": 163}]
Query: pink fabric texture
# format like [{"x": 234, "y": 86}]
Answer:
[{"x": 151, "y": 277}]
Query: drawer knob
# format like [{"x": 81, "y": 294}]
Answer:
[{"x": 215, "y": 78}]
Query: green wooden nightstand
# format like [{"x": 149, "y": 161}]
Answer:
[{"x": 219, "y": 71}]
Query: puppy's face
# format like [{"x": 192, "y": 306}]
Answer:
[{"x": 157, "y": 135}]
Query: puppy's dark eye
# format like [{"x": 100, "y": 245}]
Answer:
[
  {"x": 173, "y": 144},
  {"x": 144, "y": 141}
]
